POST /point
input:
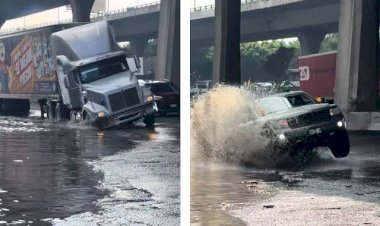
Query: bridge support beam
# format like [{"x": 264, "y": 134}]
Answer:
[
  {"x": 311, "y": 41},
  {"x": 81, "y": 10},
  {"x": 357, "y": 76},
  {"x": 138, "y": 45},
  {"x": 168, "y": 44},
  {"x": 226, "y": 62}
]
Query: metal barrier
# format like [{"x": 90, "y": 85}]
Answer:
[
  {"x": 129, "y": 11},
  {"x": 211, "y": 7}
]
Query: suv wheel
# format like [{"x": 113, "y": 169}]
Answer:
[{"x": 339, "y": 144}]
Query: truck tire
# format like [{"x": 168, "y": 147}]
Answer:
[
  {"x": 58, "y": 113},
  {"x": 149, "y": 120},
  {"x": 339, "y": 144},
  {"x": 49, "y": 110},
  {"x": 73, "y": 117},
  {"x": 85, "y": 118}
]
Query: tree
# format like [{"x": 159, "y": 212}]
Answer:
[
  {"x": 201, "y": 63},
  {"x": 260, "y": 61},
  {"x": 267, "y": 60},
  {"x": 329, "y": 43}
]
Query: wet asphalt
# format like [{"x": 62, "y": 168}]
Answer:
[
  {"x": 321, "y": 191},
  {"x": 67, "y": 174}
]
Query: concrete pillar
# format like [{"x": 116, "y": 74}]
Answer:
[
  {"x": 168, "y": 44},
  {"x": 138, "y": 45},
  {"x": 226, "y": 62},
  {"x": 311, "y": 41},
  {"x": 81, "y": 10},
  {"x": 357, "y": 77}
]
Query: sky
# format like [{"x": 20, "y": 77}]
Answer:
[{"x": 62, "y": 13}]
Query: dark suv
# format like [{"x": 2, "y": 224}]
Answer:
[
  {"x": 295, "y": 119},
  {"x": 166, "y": 95}
]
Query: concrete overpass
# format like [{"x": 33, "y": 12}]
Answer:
[
  {"x": 309, "y": 20},
  {"x": 136, "y": 24},
  {"x": 18, "y": 8}
]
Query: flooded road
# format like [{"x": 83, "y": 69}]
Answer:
[
  {"x": 57, "y": 173},
  {"x": 324, "y": 191}
]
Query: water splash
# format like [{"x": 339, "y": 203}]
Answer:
[{"x": 224, "y": 127}]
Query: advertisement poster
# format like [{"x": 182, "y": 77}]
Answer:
[{"x": 26, "y": 65}]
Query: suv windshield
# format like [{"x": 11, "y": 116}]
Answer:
[
  {"x": 270, "y": 105},
  {"x": 101, "y": 69},
  {"x": 300, "y": 100}
]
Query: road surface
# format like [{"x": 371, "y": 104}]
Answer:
[
  {"x": 322, "y": 191},
  {"x": 67, "y": 174}
]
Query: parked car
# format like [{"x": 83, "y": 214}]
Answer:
[
  {"x": 294, "y": 119},
  {"x": 166, "y": 95}
]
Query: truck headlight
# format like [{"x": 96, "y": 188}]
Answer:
[
  {"x": 149, "y": 98},
  {"x": 101, "y": 114},
  {"x": 335, "y": 111}
]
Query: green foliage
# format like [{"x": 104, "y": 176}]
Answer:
[
  {"x": 151, "y": 48},
  {"x": 201, "y": 63},
  {"x": 260, "y": 61},
  {"x": 330, "y": 43},
  {"x": 267, "y": 60}
]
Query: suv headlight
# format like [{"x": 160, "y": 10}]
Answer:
[{"x": 335, "y": 111}]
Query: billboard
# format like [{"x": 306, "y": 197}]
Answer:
[{"x": 26, "y": 65}]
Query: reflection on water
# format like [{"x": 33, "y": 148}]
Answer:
[
  {"x": 217, "y": 187},
  {"x": 43, "y": 170}
]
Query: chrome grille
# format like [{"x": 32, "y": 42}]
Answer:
[
  {"x": 124, "y": 99},
  {"x": 309, "y": 119},
  {"x": 131, "y": 97}
]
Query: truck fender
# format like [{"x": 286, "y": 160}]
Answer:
[{"x": 92, "y": 109}]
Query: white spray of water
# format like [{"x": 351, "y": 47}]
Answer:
[{"x": 223, "y": 127}]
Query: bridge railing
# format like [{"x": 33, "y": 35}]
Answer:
[
  {"x": 129, "y": 11},
  {"x": 211, "y": 7}
]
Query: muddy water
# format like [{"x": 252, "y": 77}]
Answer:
[
  {"x": 224, "y": 192},
  {"x": 223, "y": 136},
  {"x": 224, "y": 127},
  {"x": 43, "y": 170}
]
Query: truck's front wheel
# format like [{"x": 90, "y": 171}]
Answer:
[{"x": 149, "y": 120}]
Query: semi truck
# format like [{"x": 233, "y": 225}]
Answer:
[{"x": 74, "y": 71}]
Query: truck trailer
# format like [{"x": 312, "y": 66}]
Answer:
[
  {"x": 317, "y": 74},
  {"x": 74, "y": 71}
]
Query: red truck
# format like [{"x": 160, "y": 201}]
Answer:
[{"x": 317, "y": 74}]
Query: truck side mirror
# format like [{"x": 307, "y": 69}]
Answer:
[
  {"x": 137, "y": 62},
  {"x": 66, "y": 81},
  {"x": 64, "y": 62},
  {"x": 133, "y": 63}
]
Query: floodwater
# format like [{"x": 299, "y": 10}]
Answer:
[
  {"x": 311, "y": 189},
  {"x": 340, "y": 190},
  {"x": 44, "y": 167}
]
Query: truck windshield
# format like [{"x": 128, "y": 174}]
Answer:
[
  {"x": 101, "y": 69},
  {"x": 161, "y": 87}
]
